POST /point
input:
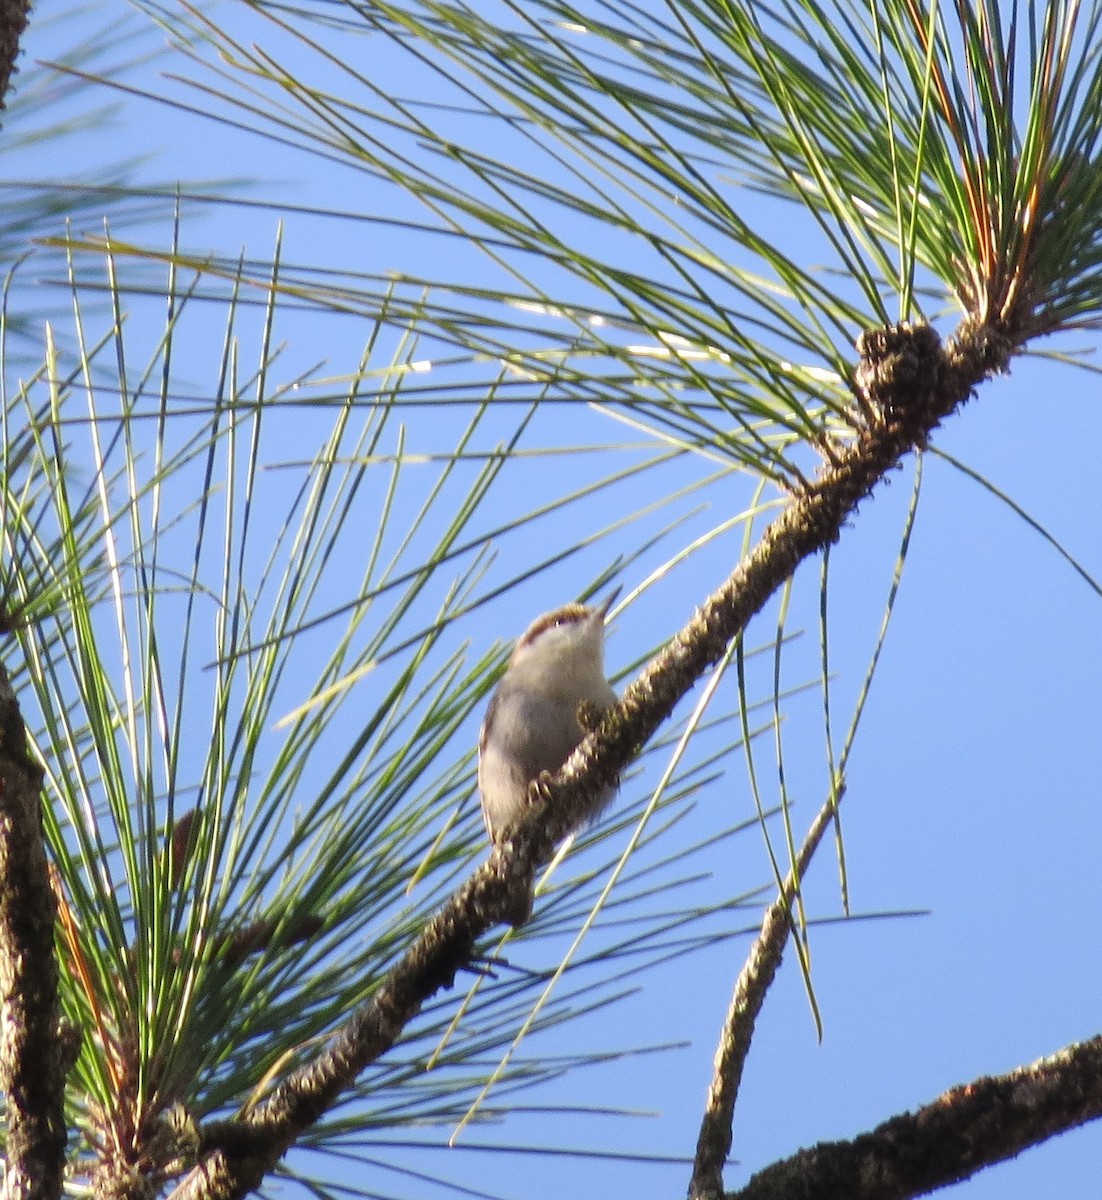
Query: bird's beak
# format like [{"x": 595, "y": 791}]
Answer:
[{"x": 609, "y": 601}]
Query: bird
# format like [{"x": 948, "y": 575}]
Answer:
[{"x": 555, "y": 679}]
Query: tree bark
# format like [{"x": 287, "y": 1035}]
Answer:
[
  {"x": 32, "y": 1073},
  {"x": 13, "y": 21},
  {"x": 967, "y": 1128}
]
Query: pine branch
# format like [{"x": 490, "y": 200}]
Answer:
[
  {"x": 13, "y": 21},
  {"x": 965, "y": 1129},
  {"x": 32, "y": 1073},
  {"x": 906, "y": 385},
  {"x": 753, "y": 983}
]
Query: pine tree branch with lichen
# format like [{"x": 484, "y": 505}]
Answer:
[{"x": 908, "y": 383}]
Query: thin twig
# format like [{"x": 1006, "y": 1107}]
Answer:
[{"x": 714, "y": 1141}]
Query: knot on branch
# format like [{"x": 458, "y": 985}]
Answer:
[
  {"x": 901, "y": 368},
  {"x": 979, "y": 349}
]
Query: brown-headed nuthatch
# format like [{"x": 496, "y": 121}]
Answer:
[{"x": 533, "y": 722}]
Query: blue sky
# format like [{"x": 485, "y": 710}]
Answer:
[{"x": 973, "y": 795}]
